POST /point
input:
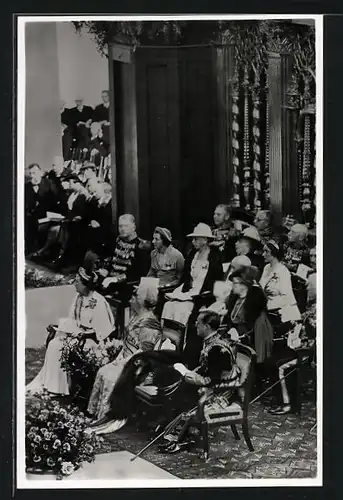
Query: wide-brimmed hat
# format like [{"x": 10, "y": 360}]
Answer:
[
  {"x": 247, "y": 275},
  {"x": 71, "y": 177},
  {"x": 163, "y": 231},
  {"x": 252, "y": 234},
  {"x": 201, "y": 231},
  {"x": 88, "y": 164}
]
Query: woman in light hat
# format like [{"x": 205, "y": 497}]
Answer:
[
  {"x": 89, "y": 314},
  {"x": 202, "y": 269}
]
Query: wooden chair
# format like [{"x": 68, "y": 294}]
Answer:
[
  {"x": 235, "y": 414},
  {"x": 305, "y": 356},
  {"x": 163, "y": 400}
]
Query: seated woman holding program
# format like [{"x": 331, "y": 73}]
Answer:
[{"x": 89, "y": 314}]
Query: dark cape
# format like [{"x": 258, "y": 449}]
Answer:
[{"x": 122, "y": 399}]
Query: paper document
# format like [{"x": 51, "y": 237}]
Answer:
[
  {"x": 290, "y": 313},
  {"x": 303, "y": 271}
]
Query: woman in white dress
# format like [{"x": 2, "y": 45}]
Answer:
[
  {"x": 285, "y": 318},
  {"x": 89, "y": 313}
]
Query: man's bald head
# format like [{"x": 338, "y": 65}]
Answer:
[{"x": 298, "y": 232}]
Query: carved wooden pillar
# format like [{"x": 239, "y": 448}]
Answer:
[
  {"x": 235, "y": 201},
  {"x": 278, "y": 69},
  {"x": 293, "y": 144},
  {"x": 306, "y": 195},
  {"x": 246, "y": 142},
  {"x": 256, "y": 99}
]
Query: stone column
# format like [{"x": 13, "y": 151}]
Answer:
[{"x": 43, "y": 135}]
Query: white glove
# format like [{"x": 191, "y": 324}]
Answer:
[
  {"x": 234, "y": 334},
  {"x": 179, "y": 367},
  {"x": 108, "y": 281}
]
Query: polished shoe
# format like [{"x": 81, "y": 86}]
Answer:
[{"x": 281, "y": 410}]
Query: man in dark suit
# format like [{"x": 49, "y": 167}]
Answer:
[
  {"x": 100, "y": 228},
  {"x": 81, "y": 119},
  {"x": 67, "y": 131},
  {"x": 56, "y": 177},
  {"x": 39, "y": 198},
  {"x": 72, "y": 235},
  {"x": 102, "y": 115}
]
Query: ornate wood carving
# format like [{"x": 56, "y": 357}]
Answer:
[
  {"x": 235, "y": 141},
  {"x": 256, "y": 90},
  {"x": 246, "y": 142},
  {"x": 266, "y": 145}
]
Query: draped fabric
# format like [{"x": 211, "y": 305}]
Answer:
[{"x": 142, "y": 333}]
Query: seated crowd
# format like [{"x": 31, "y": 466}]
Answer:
[
  {"x": 243, "y": 281},
  {"x": 85, "y": 130}
]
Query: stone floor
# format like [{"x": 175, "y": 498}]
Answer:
[
  {"x": 285, "y": 446},
  {"x": 112, "y": 466}
]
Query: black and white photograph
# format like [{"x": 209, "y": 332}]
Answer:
[{"x": 169, "y": 233}]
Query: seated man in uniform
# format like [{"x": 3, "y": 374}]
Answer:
[
  {"x": 129, "y": 260},
  {"x": 155, "y": 370},
  {"x": 296, "y": 250},
  {"x": 217, "y": 370},
  {"x": 224, "y": 232}
]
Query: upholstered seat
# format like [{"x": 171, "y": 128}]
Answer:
[{"x": 219, "y": 412}]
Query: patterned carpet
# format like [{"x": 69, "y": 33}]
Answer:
[{"x": 285, "y": 446}]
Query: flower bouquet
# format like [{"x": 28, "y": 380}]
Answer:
[
  {"x": 56, "y": 439},
  {"x": 82, "y": 363}
]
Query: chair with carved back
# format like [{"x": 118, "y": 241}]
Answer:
[{"x": 237, "y": 412}]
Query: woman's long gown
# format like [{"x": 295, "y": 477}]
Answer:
[{"x": 143, "y": 325}]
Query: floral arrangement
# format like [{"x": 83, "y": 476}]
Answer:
[
  {"x": 83, "y": 361},
  {"x": 56, "y": 439},
  {"x": 35, "y": 278}
]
